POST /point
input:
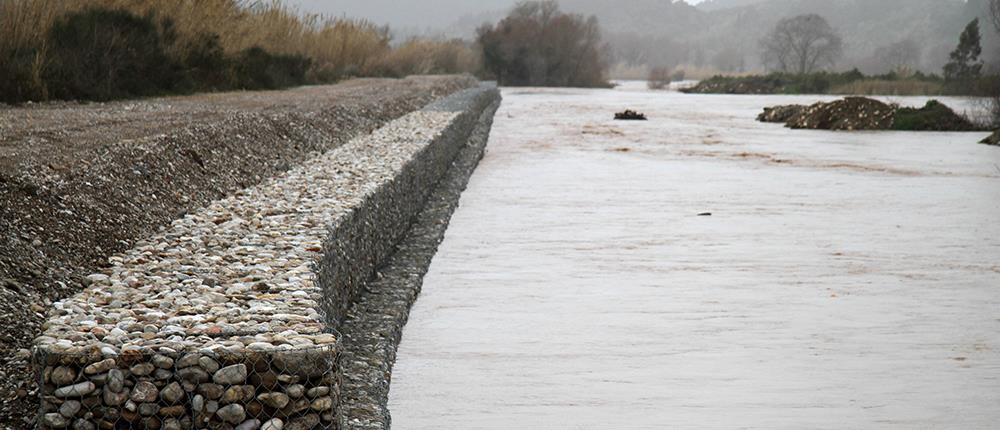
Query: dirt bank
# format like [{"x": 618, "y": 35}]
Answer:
[{"x": 81, "y": 182}]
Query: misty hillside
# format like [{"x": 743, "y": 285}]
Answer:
[
  {"x": 723, "y": 34},
  {"x": 716, "y": 34}
]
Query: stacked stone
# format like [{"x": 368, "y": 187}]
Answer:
[
  {"x": 289, "y": 390},
  {"x": 219, "y": 321}
]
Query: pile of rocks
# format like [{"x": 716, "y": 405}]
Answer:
[
  {"x": 224, "y": 320},
  {"x": 862, "y": 113},
  {"x": 781, "y": 113},
  {"x": 851, "y": 113},
  {"x": 994, "y": 139}
]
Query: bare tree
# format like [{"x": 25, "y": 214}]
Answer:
[
  {"x": 901, "y": 57},
  {"x": 538, "y": 45},
  {"x": 801, "y": 44}
]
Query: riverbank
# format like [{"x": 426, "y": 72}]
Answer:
[{"x": 83, "y": 182}]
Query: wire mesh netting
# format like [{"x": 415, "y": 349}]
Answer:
[{"x": 293, "y": 389}]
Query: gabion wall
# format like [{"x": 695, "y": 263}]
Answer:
[
  {"x": 176, "y": 371},
  {"x": 290, "y": 390}
]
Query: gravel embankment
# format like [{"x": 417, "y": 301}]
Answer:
[
  {"x": 80, "y": 183},
  {"x": 228, "y": 317}
]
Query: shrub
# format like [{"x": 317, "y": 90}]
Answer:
[
  {"x": 102, "y": 49},
  {"x": 203, "y": 64},
  {"x": 907, "y": 87},
  {"x": 659, "y": 78},
  {"x": 934, "y": 116},
  {"x": 101, "y": 54},
  {"x": 256, "y": 68}
]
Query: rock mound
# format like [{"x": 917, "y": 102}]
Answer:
[
  {"x": 862, "y": 113},
  {"x": 993, "y": 140},
  {"x": 781, "y": 113},
  {"x": 851, "y": 113}
]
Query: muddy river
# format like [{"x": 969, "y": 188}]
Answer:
[{"x": 843, "y": 280}]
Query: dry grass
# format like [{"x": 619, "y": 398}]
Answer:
[
  {"x": 336, "y": 47},
  {"x": 904, "y": 87},
  {"x": 423, "y": 56}
]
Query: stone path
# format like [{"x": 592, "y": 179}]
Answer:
[{"x": 844, "y": 280}]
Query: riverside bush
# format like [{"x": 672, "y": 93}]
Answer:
[
  {"x": 108, "y": 49},
  {"x": 101, "y": 54}
]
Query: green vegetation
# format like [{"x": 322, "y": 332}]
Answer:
[
  {"x": 934, "y": 116},
  {"x": 852, "y": 82}
]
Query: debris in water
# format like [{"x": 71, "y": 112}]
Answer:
[
  {"x": 705, "y": 214},
  {"x": 630, "y": 115}
]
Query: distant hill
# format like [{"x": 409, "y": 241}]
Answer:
[
  {"x": 716, "y": 34},
  {"x": 724, "y": 34}
]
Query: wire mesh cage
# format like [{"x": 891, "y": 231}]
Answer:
[{"x": 295, "y": 389}]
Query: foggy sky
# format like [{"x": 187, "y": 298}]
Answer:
[{"x": 414, "y": 15}]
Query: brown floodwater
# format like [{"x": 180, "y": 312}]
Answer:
[{"x": 843, "y": 280}]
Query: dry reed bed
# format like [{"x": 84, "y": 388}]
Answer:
[{"x": 335, "y": 47}]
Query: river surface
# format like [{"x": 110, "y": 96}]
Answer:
[{"x": 842, "y": 281}]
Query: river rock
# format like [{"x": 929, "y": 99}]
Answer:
[
  {"x": 273, "y": 424},
  {"x": 112, "y": 398},
  {"x": 232, "y": 414},
  {"x": 76, "y": 390},
  {"x": 99, "y": 367},
  {"x": 55, "y": 420},
  {"x": 188, "y": 360},
  {"x": 295, "y": 391},
  {"x": 211, "y": 391},
  {"x": 163, "y": 362},
  {"x": 171, "y": 424},
  {"x": 251, "y": 424},
  {"x": 175, "y": 411},
  {"x": 62, "y": 375},
  {"x": 82, "y": 424},
  {"x": 172, "y": 393},
  {"x": 231, "y": 375},
  {"x": 322, "y": 404},
  {"x": 144, "y": 392},
  {"x": 116, "y": 380},
  {"x": 142, "y": 369},
  {"x": 193, "y": 374},
  {"x": 274, "y": 400},
  {"x": 237, "y": 394},
  {"x": 70, "y": 408},
  {"x": 148, "y": 409},
  {"x": 207, "y": 363},
  {"x": 317, "y": 392}
]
